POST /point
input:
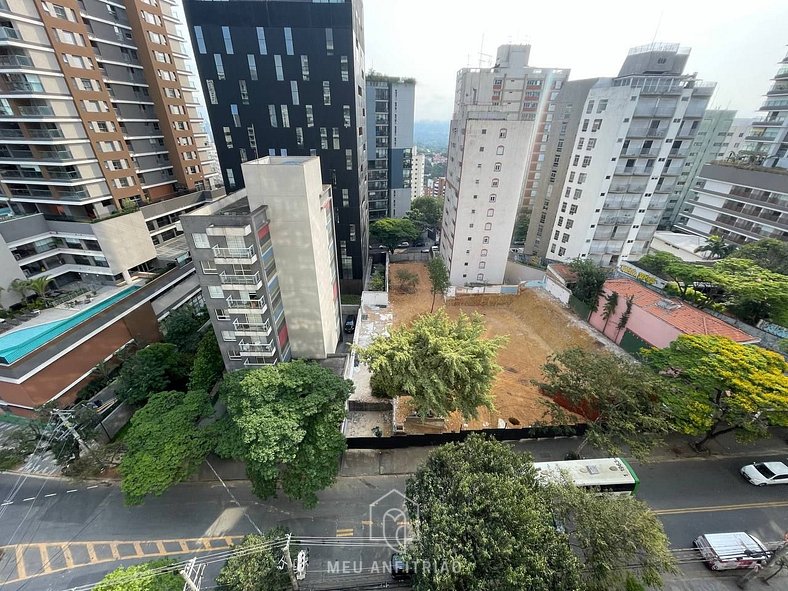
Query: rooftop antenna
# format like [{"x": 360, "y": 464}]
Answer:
[
  {"x": 483, "y": 55},
  {"x": 659, "y": 22}
]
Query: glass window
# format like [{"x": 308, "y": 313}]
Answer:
[
  {"x": 230, "y": 178},
  {"x": 261, "y": 41},
  {"x": 228, "y": 137},
  {"x": 285, "y": 116},
  {"x": 294, "y": 92},
  {"x": 326, "y": 92},
  {"x": 272, "y": 115},
  {"x": 236, "y": 117},
  {"x": 252, "y": 66},
  {"x": 200, "y": 241},
  {"x": 323, "y": 138},
  {"x": 289, "y": 40},
  {"x": 200, "y": 39},
  {"x": 244, "y": 92},
  {"x": 228, "y": 335},
  {"x": 208, "y": 267},
  {"x": 299, "y": 136},
  {"x": 343, "y": 64},
  {"x": 228, "y": 41},
  {"x": 222, "y": 314},
  {"x": 330, "y": 41},
  {"x": 310, "y": 116},
  {"x": 217, "y": 58},
  {"x": 335, "y": 137},
  {"x": 215, "y": 291},
  {"x": 280, "y": 75},
  {"x": 305, "y": 68},
  {"x": 499, "y": 151},
  {"x": 346, "y": 115},
  {"x": 349, "y": 159}
]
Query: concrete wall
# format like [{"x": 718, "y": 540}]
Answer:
[
  {"x": 516, "y": 273},
  {"x": 125, "y": 241},
  {"x": 557, "y": 291}
]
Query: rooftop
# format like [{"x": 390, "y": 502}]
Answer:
[{"x": 678, "y": 314}]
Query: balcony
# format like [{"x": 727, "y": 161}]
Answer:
[
  {"x": 646, "y": 132},
  {"x": 8, "y": 34},
  {"x": 45, "y": 133},
  {"x": 238, "y": 306},
  {"x": 658, "y": 111},
  {"x": 229, "y": 256},
  {"x": 769, "y": 121},
  {"x": 640, "y": 153},
  {"x": 615, "y": 220},
  {"x": 627, "y": 188},
  {"x": 257, "y": 349},
  {"x": 636, "y": 170},
  {"x": 36, "y": 111},
  {"x": 251, "y": 328},
  {"x": 11, "y": 60},
  {"x": 243, "y": 281}
]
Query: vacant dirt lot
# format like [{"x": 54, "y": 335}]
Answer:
[{"x": 536, "y": 327}]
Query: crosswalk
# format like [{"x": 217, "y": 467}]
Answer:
[{"x": 25, "y": 561}]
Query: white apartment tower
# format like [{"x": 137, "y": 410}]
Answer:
[
  {"x": 498, "y": 135},
  {"x": 417, "y": 175},
  {"x": 635, "y": 132}
]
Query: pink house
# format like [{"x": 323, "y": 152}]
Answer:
[{"x": 654, "y": 319}]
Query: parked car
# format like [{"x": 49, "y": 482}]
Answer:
[
  {"x": 763, "y": 473},
  {"x": 731, "y": 550},
  {"x": 403, "y": 245},
  {"x": 399, "y": 568},
  {"x": 435, "y": 248},
  {"x": 350, "y": 324},
  {"x": 427, "y": 250}
]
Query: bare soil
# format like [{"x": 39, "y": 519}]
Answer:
[{"x": 536, "y": 326}]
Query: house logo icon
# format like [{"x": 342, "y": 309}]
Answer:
[{"x": 390, "y": 519}]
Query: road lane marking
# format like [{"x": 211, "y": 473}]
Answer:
[
  {"x": 160, "y": 548},
  {"x": 69, "y": 558},
  {"x": 42, "y": 549},
  {"x": 50, "y": 495},
  {"x": 138, "y": 549},
  {"x": 115, "y": 552},
  {"x": 345, "y": 533},
  {"x": 73, "y": 490},
  {"x": 712, "y": 508},
  {"x": 91, "y": 553},
  {"x": 20, "y": 562}
]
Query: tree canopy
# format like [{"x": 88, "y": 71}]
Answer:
[
  {"x": 254, "y": 565},
  {"x": 672, "y": 268},
  {"x": 590, "y": 281},
  {"x": 521, "y": 226},
  {"x": 425, "y": 212},
  {"x": 443, "y": 364},
  {"x": 751, "y": 292},
  {"x": 182, "y": 326},
  {"x": 143, "y": 577},
  {"x": 715, "y": 247},
  {"x": 769, "y": 253},
  {"x": 725, "y": 386},
  {"x": 155, "y": 368},
  {"x": 475, "y": 507},
  {"x": 391, "y": 231},
  {"x": 284, "y": 422},
  {"x": 623, "y": 399},
  {"x": 439, "y": 278},
  {"x": 208, "y": 364},
  {"x": 164, "y": 445}
]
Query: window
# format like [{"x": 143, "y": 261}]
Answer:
[
  {"x": 305, "y": 68},
  {"x": 310, "y": 117},
  {"x": 285, "y": 116},
  {"x": 573, "y": 210},
  {"x": 352, "y": 232},
  {"x": 272, "y": 115},
  {"x": 585, "y": 125},
  {"x": 215, "y": 291},
  {"x": 497, "y": 167},
  {"x": 252, "y": 137},
  {"x": 591, "y": 143},
  {"x": 481, "y": 149},
  {"x": 217, "y": 58},
  {"x": 602, "y": 106},
  {"x": 299, "y": 136},
  {"x": 212, "y": 92},
  {"x": 346, "y": 115},
  {"x": 228, "y": 137},
  {"x": 580, "y": 143},
  {"x": 494, "y": 182},
  {"x": 294, "y": 92},
  {"x": 244, "y": 92},
  {"x": 578, "y": 194},
  {"x": 172, "y": 93},
  {"x": 480, "y": 277},
  {"x": 485, "y": 239},
  {"x": 78, "y": 61},
  {"x": 483, "y": 252},
  {"x": 176, "y": 109},
  {"x": 335, "y": 137},
  {"x": 581, "y": 178},
  {"x": 102, "y": 126},
  {"x": 70, "y": 38},
  {"x": 493, "y": 197},
  {"x": 222, "y": 314},
  {"x": 289, "y": 40},
  {"x": 326, "y": 92},
  {"x": 280, "y": 75},
  {"x": 228, "y": 335},
  {"x": 156, "y": 38},
  {"x": 490, "y": 212},
  {"x": 200, "y": 40},
  {"x": 590, "y": 106},
  {"x": 569, "y": 224},
  {"x": 324, "y": 138},
  {"x": 586, "y": 161},
  {"x": 502, "y": 133},
  {"x": 349, "y": 159},
  {"x": 236, "y": 117},
  {"x": 344, "y": 68},
  {"x": 345, "y": 198},
  {"x": 242, "y": 153},
  {"x": 252, "y": 66},
  {"x": 261, "y": 41},
  {"x": 208, "y": 268},
  {"x": 330, "y": 41},
  {"x": 499, "y": 151},
  {"x": 561, "y": 251},
  {"x": 597, "y": 124},
  {"x": 230, "y": 178},
  {"x": 201, "y": 241}
]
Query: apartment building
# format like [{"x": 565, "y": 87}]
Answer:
[
  {"x": 501, "y": 123},
  {"x": 417, "y": 175},
  {"x": 746, "y": 198},
  {"x": 711, "y": 143},
  {"x": 286, "y": 78},
  {"x": 265, "y": 258},
  {"x": 635, "y": 132},
  {"x": 97, "y": 118}
]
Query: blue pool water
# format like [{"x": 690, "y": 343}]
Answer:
[{"x": 17, "y": 344}]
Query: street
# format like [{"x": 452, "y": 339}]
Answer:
[{"x": 58, "y": 534}]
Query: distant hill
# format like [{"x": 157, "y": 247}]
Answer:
[{"x": 432, "y": 134}]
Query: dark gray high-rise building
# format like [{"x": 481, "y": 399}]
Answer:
[{"x": 286, "y": 77}]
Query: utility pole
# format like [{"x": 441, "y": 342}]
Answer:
[
  {"x": 289, "y": 564},
  {"x": 778, "y": 558},
  {"x": 63, "y": 416},
  {"x": 192, "y": 575}
]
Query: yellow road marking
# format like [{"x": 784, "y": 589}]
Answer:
[
  {"x": 228, "y": 540},
  {"x": 160, "y": 547},
  {"x": 91, "y": 553},
  {"x": 42, "y": 549},
  {"x": 184, "y": 546},
  {"x": 20, "y": 562},
  {"x": 138, "y": 549},
  {"x": 206, "y": 543},
  {"x": 345, "y": 533},
  {"x": 708, "y": 509},
  {"x": 366, "y": 522},
  {"x": 67, "y": 556},
  {"x": 115, "y": 552}
]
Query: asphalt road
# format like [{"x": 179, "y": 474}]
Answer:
[{"x": 47, "y": 515}]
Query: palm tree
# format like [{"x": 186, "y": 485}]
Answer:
[
  {"x": 611, "y": 303},
  {"x": 39, "y": 286},
  {"x": 21, "y": 287},
  {"x": 716, "y": 247}
]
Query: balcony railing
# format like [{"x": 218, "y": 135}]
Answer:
[
  {"x": 769, "y": 121},
  {"x": 265, "y": 349},
  {"x": 645, "y": 170},
  {"x": 246, "y": 304},
  {"x": 15, "y": 60},
  {"x": 45, "y": 133},
  {"x": 252, "y": 326},
  {"x": 233, "y": 253},
  {"x": 646, "y": 132},
  {"x": 8, "y": 33},
  {"x": 640, "y": 153},
  {"x": 239, "y": 279},
  {"x": 22, "y": 87},
  {"x": 41, "y": 110}
]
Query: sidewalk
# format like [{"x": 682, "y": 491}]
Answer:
[{"x": 406, "y": 460}]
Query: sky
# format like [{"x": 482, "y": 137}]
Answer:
[{"x": 736, "y": 44}]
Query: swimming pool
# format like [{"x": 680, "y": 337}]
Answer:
[{"x": 17, "y": 344}]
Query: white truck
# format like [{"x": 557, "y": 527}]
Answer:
[{"x": 731, "y": 550}]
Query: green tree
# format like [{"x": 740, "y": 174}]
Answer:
[
  {"x": 607, "y": 532},
  {"x": 769, "y": 253},
  {"x": 752, "y": 293},
  {"x": 590, "y": 281},
  {"x": 622, "y": 322},
  {"x": 408, "y": 280},
  {"x": 164, "y": 445},
  {"x": 425, "y": 212},
  {"x": 21, "y": 287},
  {"x": 155, "y": 368},
  {"x": 284, "y": 422},
  {"x": 208, "y": 364},
  {"x": 725, "y": 386},
  {"x": 439, "y": 278},
  {"x": 391, "y": 231},
  {"x": 182, "y": 327},
  {"x": 254, "y": 565},
  {"x": 609, "y": 309},
  {"x": 715, "y": 247},
  {"x": 158, "y": 575},
  {"x": 623, "y": 400},
  {"x": 377, "y": 282},
  {"x": 40, "y": 286},
  {"x": 672, "y": 268},
  {"x": 521, "y": 226},
  {"x": 443, "y": 364},
  {"x": 478, "y": 516}
]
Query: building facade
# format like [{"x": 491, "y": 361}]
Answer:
[
  {"x": 417, "y": 188},
  {"x": 437, "y": 187},
  {"x": 97, "y": 117},
  {"x": 390, "y": 107},
  {"x": 495, "y": 158},
  {"x": 266, "y": 261},
  {"x": 285, "y": 78},
  {"x": 635, "y": 132},
  {"x": 711, "y": 143}
]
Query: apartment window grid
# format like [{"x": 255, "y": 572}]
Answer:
[
  {"x": 228, "y": 40},
  {"x": 289, "y": 40},
  {"x": 261, "y": 44},
  {"x": 280, "y": 74},
  {"x": 252, "y": 66}
]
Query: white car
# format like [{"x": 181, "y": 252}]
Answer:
[{"x": 763, "y": 473}]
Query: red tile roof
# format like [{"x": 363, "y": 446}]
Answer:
[
  {"x": 563, "y": 271},
  {"x": 681, "y": 315}
]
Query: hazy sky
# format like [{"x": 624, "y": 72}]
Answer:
[{"x": 736, "y": 44}]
